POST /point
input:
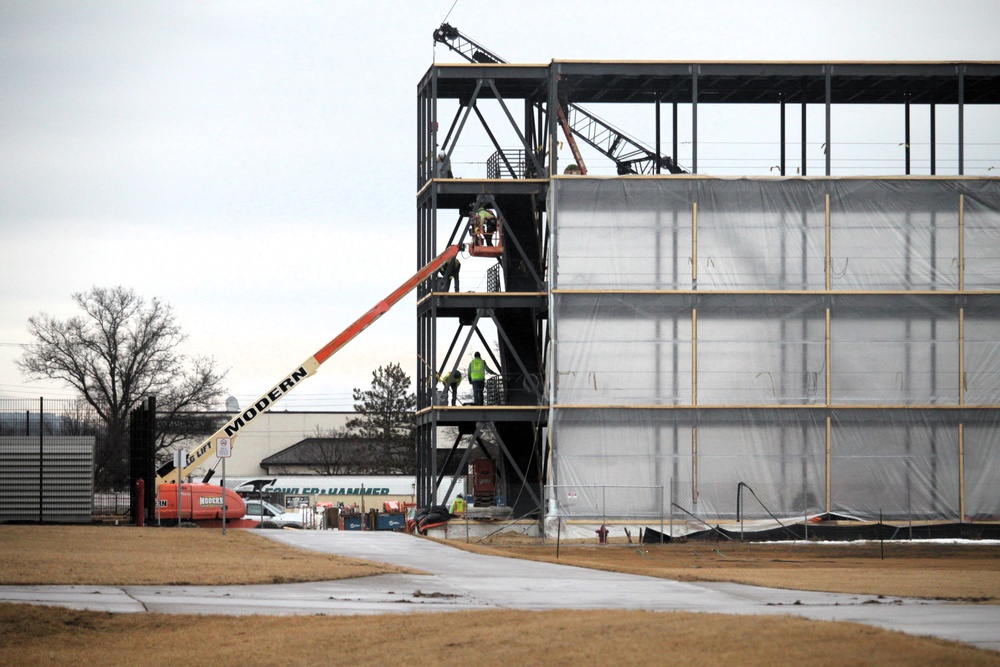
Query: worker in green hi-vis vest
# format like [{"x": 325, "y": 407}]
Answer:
[
  {"x": 477, "y": 376},
  {"x": 451, "y": 381}
]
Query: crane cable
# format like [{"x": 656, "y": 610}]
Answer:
[
  {"x": 449, "y": 12},
  {"x": 434, "y": 42}
]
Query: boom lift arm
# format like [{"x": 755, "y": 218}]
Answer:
[
  {"x": 629, "y": 155},
  {"x": 168, "y": 473}
]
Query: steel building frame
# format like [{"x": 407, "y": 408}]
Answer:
[{"x": 520, "y": 180}]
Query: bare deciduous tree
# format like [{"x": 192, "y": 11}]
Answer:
[
  {"x": 119, "y": 350},
  {"x": 334, "y": 452}
]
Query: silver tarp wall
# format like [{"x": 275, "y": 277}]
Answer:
[{"x": 832, "y": 343}]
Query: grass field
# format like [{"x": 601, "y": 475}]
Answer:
[
  {"x": 964, "y": 572},
  {"x": 31, "y": 635}
]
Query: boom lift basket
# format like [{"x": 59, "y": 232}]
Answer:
[{"x": 479, "y": 246}]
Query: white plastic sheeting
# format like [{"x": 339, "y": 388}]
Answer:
[{"x": 832, "y": 343}]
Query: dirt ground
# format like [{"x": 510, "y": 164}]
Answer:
[{"x": 33, "y": 635}]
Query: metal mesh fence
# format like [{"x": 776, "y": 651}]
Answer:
[
  {"x": 495, "y": 391},
  {"x": 493, "y": 278},
  {"x": 59, "y": 461},
  {"x": 724, "y": 512}
]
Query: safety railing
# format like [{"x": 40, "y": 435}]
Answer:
[{"x": 510, "y": 163}]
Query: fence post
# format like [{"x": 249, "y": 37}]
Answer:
[
  {"x": 558, "y": 534},
  {"x": 739, "y": 507},
  {"x": 604, "y": 505},
  {"x": 661, "y": 515},
  {"x": 140, "y": 503},
  {"x": 41, "y": 457},
  {"x": 805, "y": 515},
  {"x": 673, "y": 494}
]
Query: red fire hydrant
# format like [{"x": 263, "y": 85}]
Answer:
[{"x": 602, "y": 534}]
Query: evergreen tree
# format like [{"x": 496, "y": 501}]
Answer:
[{"x": 386, "y": 415}]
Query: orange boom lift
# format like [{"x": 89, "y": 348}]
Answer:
[{"x": 209, "y": 506}]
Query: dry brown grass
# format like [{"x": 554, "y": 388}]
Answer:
[
  {"x": 958, "y": 572},
  {"x": 44, "y": 636},
  {"x": 31, "y": 635},
  {"x": 129, "y": 556}
]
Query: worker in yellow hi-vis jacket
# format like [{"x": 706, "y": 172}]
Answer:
[
  {"x": 451, "y": 381},
  {"x": 477, "y": 376}
]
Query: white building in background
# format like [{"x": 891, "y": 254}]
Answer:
[
  {"x": 364, "y": 492},
  {"x": 270, "y": 433},
  {"x": 276, "y": 431}
]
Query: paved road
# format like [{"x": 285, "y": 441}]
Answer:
[{"x": 458, "y": 581}]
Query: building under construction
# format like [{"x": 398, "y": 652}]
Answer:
[{"x": 774, "y": 296}]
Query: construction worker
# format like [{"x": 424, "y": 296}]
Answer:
[
  {"x": 451, "y": 380},
  {"x": 572, "y": 170},
  {"x": 449, "y": 270},
  {"x": 487, "y": 225},
  {"x": 444, "y": 166},
  {"x": 458, "y": 505},
  {"x": 477, "y": 376}
]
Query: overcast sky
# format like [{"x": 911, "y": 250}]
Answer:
[{"x": 253, "y": 163}]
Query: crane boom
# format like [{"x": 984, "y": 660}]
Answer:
[
  {"x": 306, "y": 369},
  {"x": 477, "y": 53},
  {"x": 628, "y": 154}
]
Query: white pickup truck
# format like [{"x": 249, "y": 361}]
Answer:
[{"x": 271, "y": 516}]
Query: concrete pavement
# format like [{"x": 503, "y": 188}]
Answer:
[{"x": 462, "y": 581}]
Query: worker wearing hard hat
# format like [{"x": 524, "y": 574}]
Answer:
[
  {"x": 458, "y": 505},
  {"x": 449, "y": 270},
  {"x": 487, "y": 225},
  {"x": 444, "y": 166},
  {"x": 451, "y": 380},
  {"x": 477, "y": 376}
]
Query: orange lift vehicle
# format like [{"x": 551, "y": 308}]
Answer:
[{"x": 203, "y": 503}]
